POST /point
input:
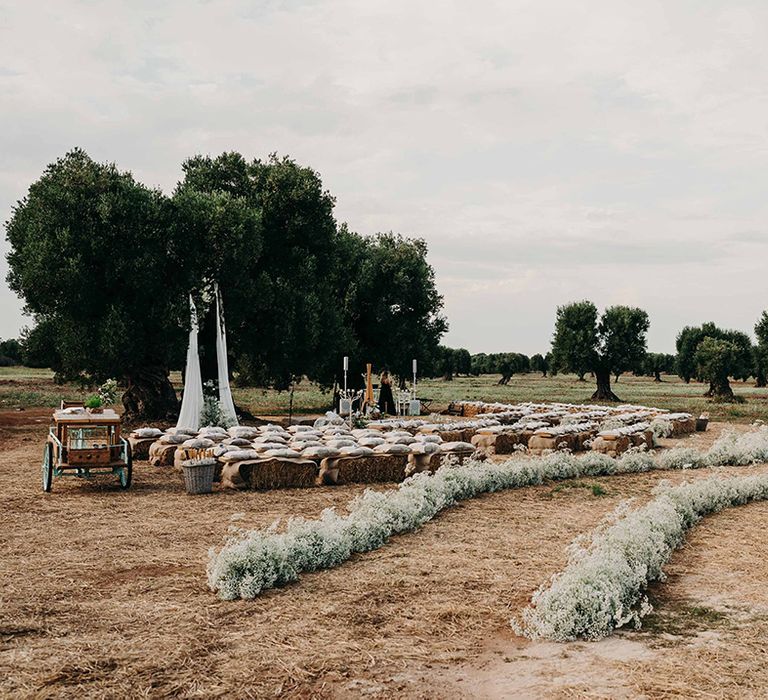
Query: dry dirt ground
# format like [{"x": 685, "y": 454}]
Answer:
[{"x": 103, "y": 594}]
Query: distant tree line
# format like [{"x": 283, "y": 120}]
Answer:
[{"x": 607, "y": 345}]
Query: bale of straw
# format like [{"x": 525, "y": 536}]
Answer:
[
  {"x": 452, "y": 435},
  {"x": 541, "y": 443},
  {"x": 281, "y": 473},
  {"x": 459, "y": 457},
  {"x": 582, "y": 438},
  {"x": 469, "y": 410},
  {"x": 363, "y": 470},
  {"x": 506, "y": 442},
  {"x": 140, "y": 446},
  {"x": 161, "y": 455},
  {"x": 648, "y": 436},
  {"x": 235, "y": 475},
  {"x": 485, "y": 442},
  {"x": 419, "y": 463},
  {"x": 611, "y": 445}
]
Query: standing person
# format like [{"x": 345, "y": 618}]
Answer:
[{"x": 386, "y": 399}]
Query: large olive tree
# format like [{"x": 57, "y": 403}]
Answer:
[
  {"x": 734, "y": 356},
  {"x": 96, "y": 260},
  {"x": 390, "y": 302},
  {"x": 614, "y": 344},
  {"x": 279, "y": 283},
  {"x": 107, "y": 267},
  {"x": 761, "y": 350}
]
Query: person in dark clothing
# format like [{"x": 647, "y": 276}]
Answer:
[{"x": 386, "y": 399}]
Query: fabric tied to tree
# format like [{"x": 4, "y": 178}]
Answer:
[
  {"x": 226, "y": 403},
  {"x": 192, "y": 400}
]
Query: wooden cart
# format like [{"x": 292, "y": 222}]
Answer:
[{"x": 86, "y": 444}]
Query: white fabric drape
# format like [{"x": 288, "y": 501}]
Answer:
[
  {"x": 226, "y": 403},
  {"x": 192, "y": 400}
]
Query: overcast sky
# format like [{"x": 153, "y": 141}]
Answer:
[{"x": 547, "y": 151}]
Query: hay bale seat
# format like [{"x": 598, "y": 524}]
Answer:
[
  {"x": 683, "y": 426},
  {"x": 583, "y": 438},
  {"x": 569, "y": 438},
  {"x": 544, "y": 442},
  {"x": 611, "y": 445},
  {"x": 507, "y": 442},
  {"x": 363, "y": 470},
  {"x": 423, "y": 463},
  {"x": 470, "y": 410},
  {"x": 161, "y": 454},
  {"x": 269, "y": 473},
  {"x": 140, "y": 446},
  {"x": 642, "y": 438},
  {"x": 431, "y": 463},
  {"x": 680, "y": 423},
  {"x": 486, "y": 442}
]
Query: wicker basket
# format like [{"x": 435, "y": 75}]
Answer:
[{"x": 198, "y": 475}]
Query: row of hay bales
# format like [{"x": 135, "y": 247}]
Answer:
[
  {"x": 536, "y": 436},
  {"x": 546, "y": 427},
  {"x": 329, "y": 452},
  {"x": 272, "y": 456}
]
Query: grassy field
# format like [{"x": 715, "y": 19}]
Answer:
[{"x": 21, "y": 387}]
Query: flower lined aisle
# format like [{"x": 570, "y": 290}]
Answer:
[
  {"x": 603, "y": 586},
  {"x": 251, "y": 562}
]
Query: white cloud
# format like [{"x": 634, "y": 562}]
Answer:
[{"x": 547, "y": 151}]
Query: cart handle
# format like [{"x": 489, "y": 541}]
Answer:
[{"x": 52, "y": 434}]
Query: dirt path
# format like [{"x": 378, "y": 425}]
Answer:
[{"x": 103, "y": 592}]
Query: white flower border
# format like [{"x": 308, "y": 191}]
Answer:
[
  {"x": 603, "y": 586},
  {"x": 253, "y": 561}
]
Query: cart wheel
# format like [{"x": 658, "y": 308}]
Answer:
[
  {"x": 47, "y": 467},
  {"x": 126, "y": 473}
]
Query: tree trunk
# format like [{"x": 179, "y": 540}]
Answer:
[
  {"x": 656, "y": 376},
  {"x": 581, "y": 376},
  {"x": 604, "y": 392},
  {"x": 720, "y": 390},
  {"x": 150, "y": 396},
  {"x": 544, "y": 373},
  {"x": 760, "y": 379}
]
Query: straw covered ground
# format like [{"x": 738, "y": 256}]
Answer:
[{"x": 103, "y": 593}]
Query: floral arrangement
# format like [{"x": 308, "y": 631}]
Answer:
[
  {"x": 108, "y": 392},
  {"x": 211, "y": 414},
  {"x": 603, "y": 585},
  {"x": 253, "y": 561}
]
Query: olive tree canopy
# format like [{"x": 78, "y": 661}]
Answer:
[
  {"x": 614, "y": 344},
  {"x": 97, "y": 261}
]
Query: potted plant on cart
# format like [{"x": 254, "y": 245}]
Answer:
[{"x": 93, "y": 404}]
